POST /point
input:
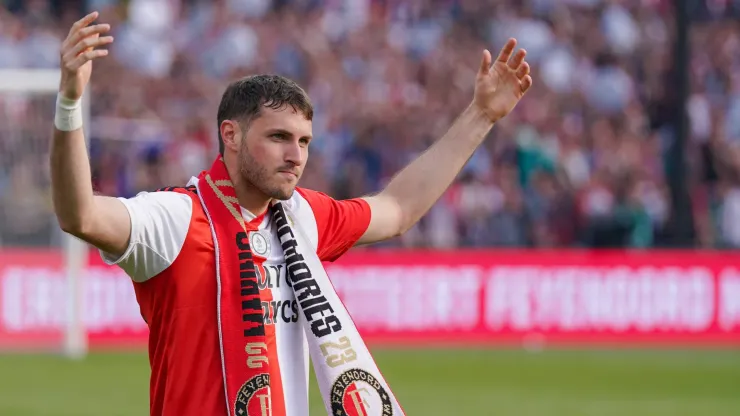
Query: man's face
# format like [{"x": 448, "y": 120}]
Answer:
[{"x": 274, "y": 151}]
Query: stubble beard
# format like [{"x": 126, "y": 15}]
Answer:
[{"x": 260, "y": 178}]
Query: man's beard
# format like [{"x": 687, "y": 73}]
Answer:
[{"x": 260, "y": 178}]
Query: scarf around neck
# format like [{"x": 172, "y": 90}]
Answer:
[{"x": 349, "y": 380}]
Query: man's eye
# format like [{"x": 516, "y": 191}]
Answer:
[{"x": 279, "y": 136}]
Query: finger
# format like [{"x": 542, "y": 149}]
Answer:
[
  {"x": 518, "y": 59},
  {"x": 89, "y": 48},
  {"x": 523, "y": 70},
  {"x": 86, "y": 32},
  {"x": 88, "y": 44},
  {"x": 83, "y": 22},
  {"x": 526, "y": 83},
  {"x": 485, "y": 64},
  {"x": 506, "y": 51},
  {"x": 98, "y": 29},
  {"x": 85, "y": 57}
]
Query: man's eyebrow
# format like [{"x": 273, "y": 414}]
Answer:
[{"x": 279, "y": 130}]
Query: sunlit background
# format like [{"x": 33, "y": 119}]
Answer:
[{"x": 583, "y": 263}]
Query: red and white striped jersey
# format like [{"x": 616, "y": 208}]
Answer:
[{"x": 171, "y": 260}]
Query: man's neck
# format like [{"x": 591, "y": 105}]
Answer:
[{"x": 250, "y": 198}]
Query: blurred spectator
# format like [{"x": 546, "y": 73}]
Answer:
[{"x": 581, "y": 162}]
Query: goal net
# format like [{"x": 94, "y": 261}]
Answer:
[{"x": 41, "y": 267}]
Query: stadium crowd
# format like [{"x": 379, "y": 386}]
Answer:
[{"x": 581, "y": 162}]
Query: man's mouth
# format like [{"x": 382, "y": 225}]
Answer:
[{"x": 289, "y": 173}]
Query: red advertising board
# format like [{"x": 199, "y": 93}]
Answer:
[
  {"x": 33, "y": 292},
  {"x": 427, "y": 297},
  {"x": 534, "y": 298}
]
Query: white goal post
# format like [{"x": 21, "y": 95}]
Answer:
[{"x": 75, "y": 252}]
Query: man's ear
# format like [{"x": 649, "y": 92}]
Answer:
[{"x": 231, "y": 135}]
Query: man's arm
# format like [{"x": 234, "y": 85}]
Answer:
[
  {"x": 414, "y": 190},
  {"x": 101, "y": 221}
]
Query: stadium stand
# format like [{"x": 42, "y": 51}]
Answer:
[{"x": 579, "y": 163}]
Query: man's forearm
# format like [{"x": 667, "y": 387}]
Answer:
[
  {"x": 101, "y": 221},
  {"x": 71, "y": 179},
  {"x": 420, "y": 184}
]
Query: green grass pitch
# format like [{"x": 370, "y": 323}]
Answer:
[{"x": 427, "y": 382}]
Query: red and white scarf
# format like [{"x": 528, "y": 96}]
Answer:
[{"x": 349, "y": 380}]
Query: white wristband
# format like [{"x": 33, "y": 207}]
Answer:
[{"x": 68, "y": 115}]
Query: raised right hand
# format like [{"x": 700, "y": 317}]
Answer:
[
  {"x": 501, "y": 84},
  {"x": 77, "y": 53}
]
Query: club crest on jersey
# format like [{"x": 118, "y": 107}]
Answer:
[
  {"x": 259, "y": 243},
  {"x": 253, "y": 398},
  {"x": 358, "y": 393}
]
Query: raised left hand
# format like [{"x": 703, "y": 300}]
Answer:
[{"x": 499, "y": 87}]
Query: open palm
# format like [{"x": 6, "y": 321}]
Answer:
[
  {"x": 500, "y": 85},
  {"x": 77, "y": 53}
]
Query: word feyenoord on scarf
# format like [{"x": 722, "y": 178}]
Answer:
[{"x": 316, "y": 307}]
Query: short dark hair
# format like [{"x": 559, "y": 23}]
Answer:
[{"x": 244, "y": 98}]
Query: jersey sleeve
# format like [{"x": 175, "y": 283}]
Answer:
[
  {"x": 340, "y": 224},
  {"x": 159, "y": 226}
]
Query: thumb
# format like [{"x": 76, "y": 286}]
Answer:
[{"x": 485, "y": 64}]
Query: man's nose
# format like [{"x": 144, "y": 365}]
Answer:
[{"x": 294, "y": 153}]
